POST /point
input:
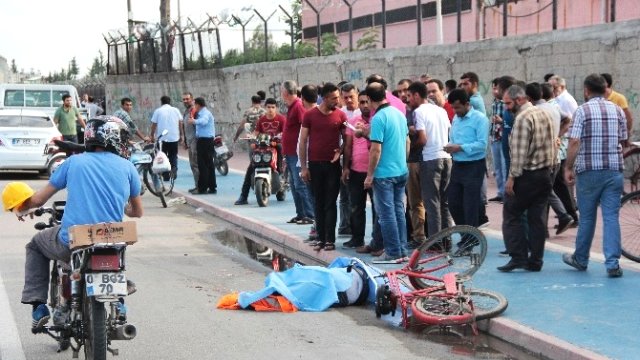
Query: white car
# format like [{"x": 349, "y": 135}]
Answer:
[{"x": 24, "y": 135}]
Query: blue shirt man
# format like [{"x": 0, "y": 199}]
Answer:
[
  {"x": 205, "y": 125},
  {"x": 469, "y": 137},
  {"x": 205, "y": 132},
  {"x": 387, "y": 173}
]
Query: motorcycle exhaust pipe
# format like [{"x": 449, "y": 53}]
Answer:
[{"x": 124, "y": 332}]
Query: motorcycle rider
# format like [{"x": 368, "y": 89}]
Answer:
[
  {"x": 270, "y": 124},
  {"x": 102, "y": 186}
]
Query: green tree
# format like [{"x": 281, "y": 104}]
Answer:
[
  {"x": 73, "y": 69},
  {"x": 369, "y": 40},
  {"x": 329, "y": 44},
  {"x": 98, "y": 68},
  {"x": 296, "y": 15},
  {"x": 14, "y": 68}
]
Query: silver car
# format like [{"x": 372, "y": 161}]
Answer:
[{"x": 24, "y": 135}]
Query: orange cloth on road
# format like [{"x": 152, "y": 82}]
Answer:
[{"x": 270, "y": 303}]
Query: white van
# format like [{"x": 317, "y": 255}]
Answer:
[{"x": 43, "y": 97}]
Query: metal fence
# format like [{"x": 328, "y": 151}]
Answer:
[{"x": 150, "y": 48}]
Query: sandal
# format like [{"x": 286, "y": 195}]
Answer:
[
  {"x": 319, "y": 246},
  {"x": 304, "y": 221},
  {"x": 294, "y": 220},
  {"x": 329, "y": 247}
]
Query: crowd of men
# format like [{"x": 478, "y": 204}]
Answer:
[{"x": 420, "y": 154}]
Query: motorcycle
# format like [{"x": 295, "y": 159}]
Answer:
[
  {"x": 87, "y": 296},
  {"x": 58, "y": 151},
  {"x": 221, "y": 155},
  {"x": 142, "y": 156},
  {"x": 266, "y": 179}
]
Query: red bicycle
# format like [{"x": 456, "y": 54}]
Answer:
[{"x": 438, "y": 271}]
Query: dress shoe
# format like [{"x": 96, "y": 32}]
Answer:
[
  {"x": 364, "y": 249},
  {"x": 375, "y": 253},
  {"x": 512, "y": 265},
  {"x": 212, "y": 192},
  {"x": 198, "y": 192},
  {"x": 241, "y": 201},
  {"x": 564, "y": 225},
  {"x": 192, "y": 190},
  {"x": 534, "y": 267},
  {"x": 352, "y": 244}
]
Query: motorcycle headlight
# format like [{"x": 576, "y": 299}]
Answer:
[
  {"x": 266, "y": 157},
  {"x": 256, "y": 158}
]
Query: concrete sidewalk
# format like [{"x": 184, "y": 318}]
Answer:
[{"x": 559, "y": 313}]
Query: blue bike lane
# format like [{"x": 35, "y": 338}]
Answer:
[{"x": 559, "y": 312}]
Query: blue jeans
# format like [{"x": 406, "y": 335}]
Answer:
[
  {"x": 602, "y": 187},
  {"x": 301, "y": 195},
  {"x": 498, "y": 166},
  {"x": 388, "y": 194}
]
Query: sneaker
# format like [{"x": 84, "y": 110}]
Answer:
[
  {"x": 496, "y": 199},
  {"x": 614, "y": 273},
  {"x": 570, "y": 260},
  {"x": 564, "y": 225},
  {"x": 388, "y": 259},
  {"x": 241, "y": 201},
  {"x": 61, "y": 315},
  {"x": 40, "y": 316}
]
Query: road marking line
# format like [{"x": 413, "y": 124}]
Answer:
[{"x": 10, "y": 344}]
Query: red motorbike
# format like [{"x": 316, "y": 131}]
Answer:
[{"x": 266, "y": 179}]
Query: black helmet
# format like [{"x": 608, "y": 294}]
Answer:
[{"x": 108, "y": 132}]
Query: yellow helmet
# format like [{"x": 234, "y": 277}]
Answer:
[{"x": 15, "y": 193}]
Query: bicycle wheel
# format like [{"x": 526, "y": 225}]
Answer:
[
  {"x": 487, "y": 304},
  {"x": 631, "y": 169},
  {"x": 441, "y": 309},
  {"x": 459, "y": 249},
  {"x": 630, "y": 226}
]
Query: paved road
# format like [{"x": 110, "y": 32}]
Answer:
[{"x": 181, "y": 271}]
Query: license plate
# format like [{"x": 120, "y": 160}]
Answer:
[
  {"x": 26, "y": 142},
  {"x": 98, "y": 284},
  {"x": 220, "y": 150}
]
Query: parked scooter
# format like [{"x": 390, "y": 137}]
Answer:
[
  {"x": 221, "y": 155},
  {"x": 266, "y": 179}
]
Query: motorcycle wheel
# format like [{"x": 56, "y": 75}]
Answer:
[
  {"x": 262, "y": 193},
  {"x": 223, "y": 167},
  {"x": 150, "y": 179},
  {"x": 95, "y": 329}
]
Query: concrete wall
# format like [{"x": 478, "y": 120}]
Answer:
[{"x": 573, "y": 54}]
